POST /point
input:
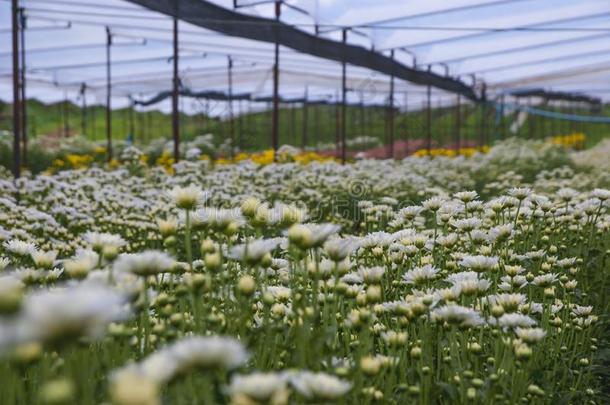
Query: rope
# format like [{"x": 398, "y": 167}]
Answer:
[{"x": 553, "y": 114}]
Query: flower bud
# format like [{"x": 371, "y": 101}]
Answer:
[
  {"x": 246, "y": 285},
  {"x": 58, "y": 392}
]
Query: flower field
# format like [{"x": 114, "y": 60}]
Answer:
[{"x": 467, "y": 279}]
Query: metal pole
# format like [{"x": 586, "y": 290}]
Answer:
[
  {"x": 483, "y": 118},
  {"x": 391, "y": 114},
  {"x": 24, "y": 119},
  {"x": 304, "y": 127},
  {"x": 16, "y": 95},
  {"x": 83, "y": 119},
  {"x": 458, "y": 124},
  {"x": 316, "y": 122},
  {"x": 132, "y": 129},
  {"x": 343, "y": 100},
  {"x": 175, "y": 85},
  {"x": 428, "y": 117},
  {"x": 231, "y": 124},
  {"x": 276, "y": 79},
  {"x": 66, "y": 115},
  {"x": 108, "y": 96},
  {"x": 405, "y": 124}
]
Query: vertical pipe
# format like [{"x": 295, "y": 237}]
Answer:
[
  {"x": 293, "y": 122},
  {"x": 458, "y": 124},
  {"x": 24, "y": 115},
  {"x": 316, "y": 122},
  {"x": 361, "y": 117},
  {"x": 276, "y": 69},
  {"x": 66, "y": 115},
  {"x": 428, "y": 117},
  {"x": 108, "y": 96},
  {"x": 175, "y": 83},
  {"x": 83, "y": 109},
  {"x": 16, "y": 95},
  {"x": 231, "y": 123},
  {"x": 405, "y": 125},
  {"x": 132, "y": 128},
  {"x": 391, "y": 114},
  {"x": 483, "y": 121},
  {"x": 304, "y": 123},
  {"x": 530, "y": 116},
  {"x": 503, "y": 120},
  {"x": 343, "y": 100},
  {"x": 335, "y": 107}
]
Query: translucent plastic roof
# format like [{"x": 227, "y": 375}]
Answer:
[{"x": 559, "y": 45}]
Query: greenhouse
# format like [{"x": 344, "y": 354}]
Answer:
[{"x": 256, "y": 202}]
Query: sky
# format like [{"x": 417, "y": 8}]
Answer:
[{"x": 569, "y": 52}]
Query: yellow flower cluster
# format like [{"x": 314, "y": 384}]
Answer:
[
  {"x": 166, "y": 160},
  {"x": 451, "y": 152},
  {"x": 73, "y": 161},
  {"x": 575, "y": 140},
  {"x": 266, "y": 157}
]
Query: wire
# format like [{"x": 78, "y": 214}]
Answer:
[{"x": 371, "y": 26}]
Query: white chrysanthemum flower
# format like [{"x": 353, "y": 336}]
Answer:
[
  {"x": 218, "y": 217},
  {"x": 601, "y": 193},
  {"x": 581, "y": 311},
  {"x": 101, "y": 240},
  {"x": 50, "y": 316},
  {"x": 371, "y": 275},
  {"x": 311, "y": 235},
  {"x": 253, "y": 251},
  {"x": 44, "y": 260},
  {"x": 433, "y": 204},
  {"x": 457, "y": 315},
  {"x": 260, "y": 387},
  {"x": 513, "y": 320},
  {"x": 530, "y": 335},
  {"x": 338, "y": 249},
  {"x": 420, "y": 275},
  {"x": 279, "y": 292},
  {"x": 545, "y": 280},
  {"x": 319, "y": 386},
  {"x": 466, "y": 224},
  {"x": 4, "y": 262},
  {"x": 508, "y": 302},
  {"x": 213, "y": 352},
  {"x": 479, "y": 263},
  {"x": 187, "y": 198},
  {"x": 19, "y": 247},
  {"x": 567, "y": 194},
  {"x": 520, "y": 193},
  {"x": 147, "y": 263},
  {"x": 469, "y": 282},
  {"x": 81, "y": 264},
  {"x": 466, "y": 196}
]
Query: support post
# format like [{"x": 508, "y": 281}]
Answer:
[
  {"x": 132, "y": 128},
  {"x": 231, "y": 123},
  {"x": 391, "y": 115},
  {"x": 276, "y": 79},
  {"x": 16, "y": 95},
  {"x": 24, "y": 115},
  {"x": 108, "y": 97},
  {"x": 405, "y": 125},
  {"x": 304, "y": 123},
  {"x": 428, "y": 117},
  {"x": 343, "y": 101},
  {"x": 483, "y": 118},
  {"x": 458, "y": 124},
  {"x": 175, "y": 95},
  {"x": 83, "y": 109},
  {"x": 66, "y": 115}
]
